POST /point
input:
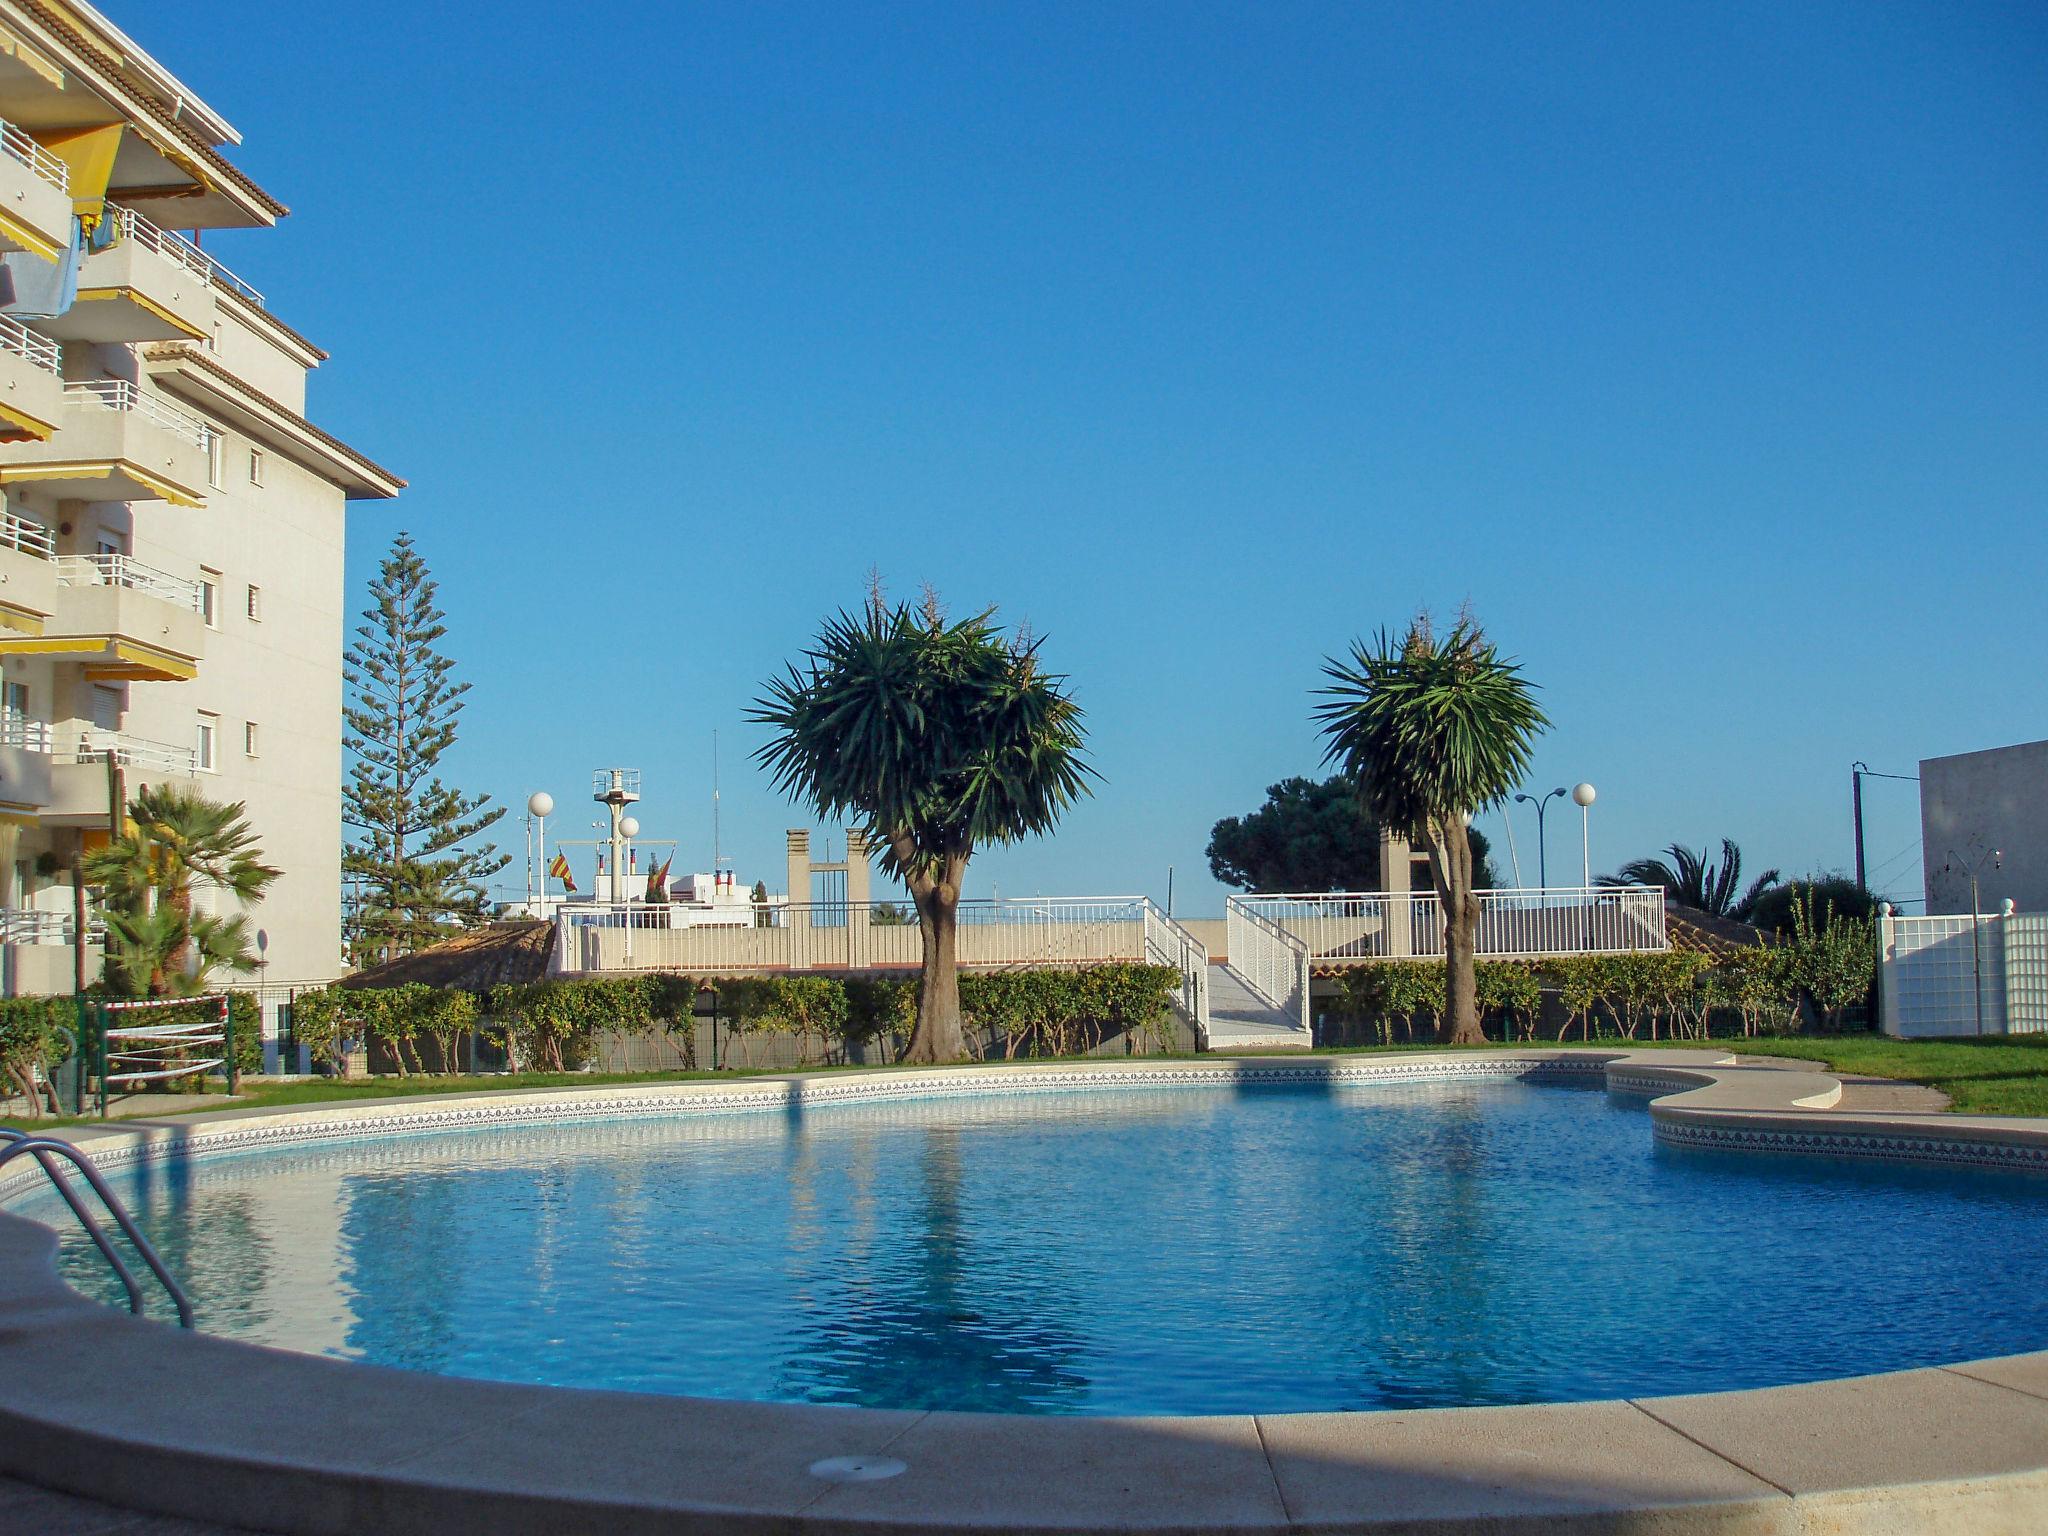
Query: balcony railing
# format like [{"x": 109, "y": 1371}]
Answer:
[
  {"x": 175, "y": 247},
  {"x": 91, "y": 744},
  {"x": 19, "y": 146},
  {"x": 23, "y": 342},
  {"x": 25, "y": 536},
  {"x": 26, "y": 925},
  {"x": 120, "y": 395},
  {"x": 28, "y": 735},
  {"x": 126, "y": 571}
]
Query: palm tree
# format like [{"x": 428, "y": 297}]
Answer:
[
  {"x": 1433, "y": 730},
  {"x": 940, "y": 738},
  {"x": 178, "y": 836},
  {"x": 1689, "y": 879}
]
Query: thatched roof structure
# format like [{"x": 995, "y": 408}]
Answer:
[
  {"x": 474, "y": 961},
  {"x": 1705, "y": 934}
]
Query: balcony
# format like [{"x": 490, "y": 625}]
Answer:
[
  {"x": 78, "y": 771},
  {"x": 149, "y": 285},
  {"x": 35, "y": 196},
  {"x": 123, "y": 621},
  {"x": 31, "y": 383},
  {"x": 25, "y": 753},
  {"x": 28, "y": 579},
  {"x": 36, "y": 955},
  {"x": 116, "y": 442}
]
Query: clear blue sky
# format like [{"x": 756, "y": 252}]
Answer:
[{"x": 1701, "y": 348}]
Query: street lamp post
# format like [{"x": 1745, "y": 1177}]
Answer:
[
  {"x": 1542, "y": 847},
  {"x": 1971, "y": 867},
  {"x": 1583, "y": 796},
  {"x": 541, "y": 805}
]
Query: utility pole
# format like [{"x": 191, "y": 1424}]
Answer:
[{"x": 1858, "y": 772}]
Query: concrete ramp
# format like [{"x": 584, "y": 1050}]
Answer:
[{"x": 1241, "y": 1020}]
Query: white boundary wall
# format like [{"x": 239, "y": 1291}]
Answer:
[{"x": 1933, "y": 979}]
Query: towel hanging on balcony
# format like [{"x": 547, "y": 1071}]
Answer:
[{"x": 35, "y": 289}]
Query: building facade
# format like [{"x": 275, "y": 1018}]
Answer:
[
  {"x": 1985, "y": 812},
  {"x": 171, "y": 544}
]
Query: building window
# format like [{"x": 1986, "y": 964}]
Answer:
[
  {"x": 254, "y": 606},
  {"x": 249, "y": 739},
  {"x": 209, "y": 733},
  {"x": 217, "y": 461},
  {"x": 106, "y": 708},
  {"x": 255, "y": 466},
  {"x": 209, "y": 597}
]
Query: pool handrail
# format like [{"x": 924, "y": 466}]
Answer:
[{"x": 15, "y": 1144}]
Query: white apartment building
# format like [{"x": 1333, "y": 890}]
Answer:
[{"x": 171, "y": 555}]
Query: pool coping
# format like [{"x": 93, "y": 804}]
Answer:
[{"x": 95, "y": 1402}]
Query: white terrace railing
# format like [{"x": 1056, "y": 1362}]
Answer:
[
  {"x": 176, "y": 248},
  {"x": 91, "y": 744},
  {"x": 1038, "y": 930},
  {"x": 24, "y": 925},
  {"x": 26, "y": 536},
  {"x": 1344, "y": 927},
  {"x": 127, "y": 571},
  {"x": 25, "y": 343},
  {"x": 19, "y": 146},
  {"x": 27, "y": 735},
  {"x": 121, "y": 395}
]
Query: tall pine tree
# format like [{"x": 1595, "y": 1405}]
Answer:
[{"x": 414, "y": 877}]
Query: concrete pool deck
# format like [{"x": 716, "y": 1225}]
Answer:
[{"x": 149, "y": 1418}]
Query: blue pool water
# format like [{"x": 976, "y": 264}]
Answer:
[{"x": 1176, "y": 1250}]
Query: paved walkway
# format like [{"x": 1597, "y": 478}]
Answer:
[
  {"x": 1869, "y": 1095},
  {"x": 1239, "y": 1019},
  {"x": 26, "y": 1510}
]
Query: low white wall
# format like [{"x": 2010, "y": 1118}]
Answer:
[{"x": 1962, "y": 976}]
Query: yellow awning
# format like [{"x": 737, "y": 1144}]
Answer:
[
  {"x": 25, "y": 424},
  {"x": 107, "y": 658},
  {"x": 88, "y": 153},
  {"x": 159, "y": 489},
  {"x": 21, "y": 619}
]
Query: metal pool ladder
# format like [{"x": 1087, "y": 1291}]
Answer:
[{"x": 45, "y": 1150}]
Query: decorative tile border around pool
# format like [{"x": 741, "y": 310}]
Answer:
[{"x": 95, "y": 1402}]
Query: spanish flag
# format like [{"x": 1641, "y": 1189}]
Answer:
[{"x": 560, "y": 870}]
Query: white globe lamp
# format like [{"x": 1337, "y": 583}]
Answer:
[
  {"x": 1583, "y": 796},
  {"x": 629, "y": 826},
  {"x": 540, "y": 803}
]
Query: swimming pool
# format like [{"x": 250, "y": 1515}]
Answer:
[{"x": 1190, "y": 1249}]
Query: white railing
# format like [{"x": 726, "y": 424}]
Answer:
[
  {"x": 26, "y": 536},
  {"x": 176, "y": 248},
  {"x": 1050, "y": 930},
  {"x": 23, "y": 342},
  {"x": 28, "y": 925},
  {"x": 20, "y": 146},
  {"x": 27, "y": 735},
  {"x": 127, "y": 571},
  {"x": 121, "y": 395},
  {"x": 1167, "y": 943},
  {"x": 1345, "y": 927},
  {"x": 1270, "y": 960},
  {"x": 91, "y": 744}
]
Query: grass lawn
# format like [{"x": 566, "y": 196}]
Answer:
[{"x": 1998, "y": 1075}]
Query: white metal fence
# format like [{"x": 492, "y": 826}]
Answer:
[
  {"x": 1168, "y": 943},
  {"x": 1271, "y": 960},
  {"x": 1343, "y": 927},
  {"x": 1958, "y": 975},
  {"x": 127, "y": 571}
]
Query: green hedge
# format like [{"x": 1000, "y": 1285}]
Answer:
[{"x": 1828, "y": 964}]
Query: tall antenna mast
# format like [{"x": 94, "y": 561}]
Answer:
[{"x": 714, "y": 805}]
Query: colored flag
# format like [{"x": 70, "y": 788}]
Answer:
[
  {"x": 657, "y": 880},
  {"x": 560, "y": 870}
]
